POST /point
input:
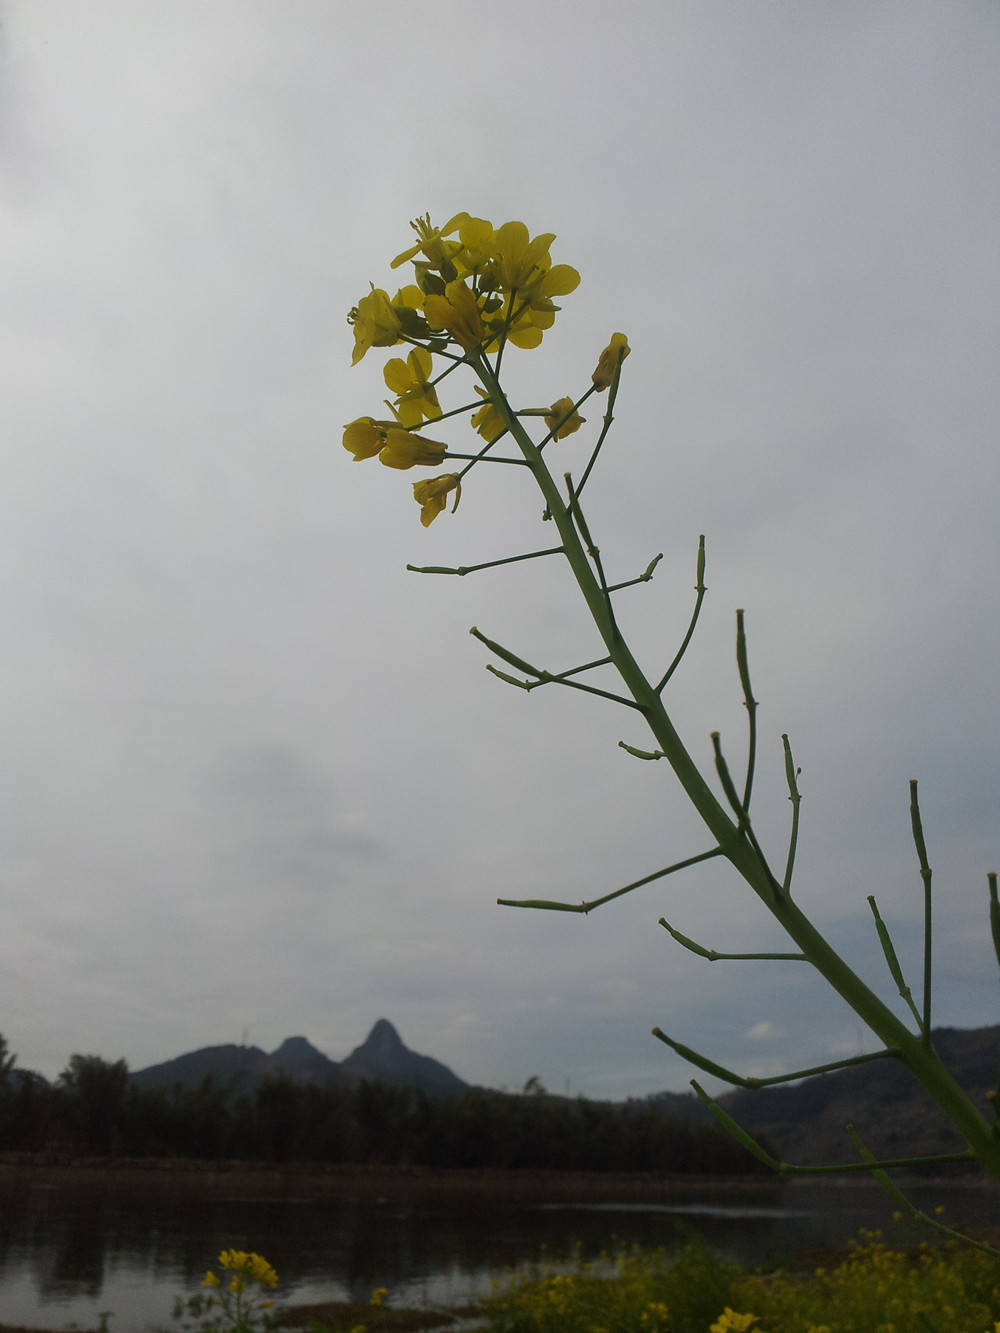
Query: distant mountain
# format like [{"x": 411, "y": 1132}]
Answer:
[
  {"x": 806, "y": 1121},
  {"x": 242, "y": 1068},
  {"x": 383, "y": 1056}
]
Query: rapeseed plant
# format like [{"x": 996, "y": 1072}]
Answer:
[
  {"x": 234, "y": 1296},
  {"x": 478, "y": 289}
]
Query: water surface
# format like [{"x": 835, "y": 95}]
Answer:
[{"x": 74, "y": 1244}]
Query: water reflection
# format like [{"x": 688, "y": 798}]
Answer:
[{"x": 79, "y": 1243}]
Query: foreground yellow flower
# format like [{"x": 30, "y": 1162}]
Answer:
[
  {"x": 365, "y": 437},
  {"x": 430, "y": 242},
  {"x": 416, "y": 398},
  {"x": 562, "y": 419},
  {"x": 458, "y": 312},
  {"x": 608, "y": 361},
  {"x": 403, "y": 450},
  {"x": 376, "y": 323},
  {"x": 731, "y": 1322},
  {"x": 487, "y": 421},
  {"x": 432, "y": 496}
]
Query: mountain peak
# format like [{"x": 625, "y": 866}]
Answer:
[
  {"x": 383, "y": 1040},
  {"x": 384, "y": 1055},
  {"x": 297, "y": 1048}
]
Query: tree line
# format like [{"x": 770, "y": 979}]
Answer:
[{"x": 94, "y": 1109}]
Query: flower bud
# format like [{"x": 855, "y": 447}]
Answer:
[{"x": 609, "y": 360}]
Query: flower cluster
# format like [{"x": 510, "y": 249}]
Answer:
[
  {"x": 476, "y": 289},
  {"x": 245, "y": 1270},
  {"x": 485, "y": 284},
  {"x": 730, "y": 1321}
]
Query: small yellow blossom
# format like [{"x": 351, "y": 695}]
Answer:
[
  {"x": 604, "y": 373},
  {"x": 731, "y": 1322},
  {"x": 562, "y": 419},
  {"x": 432, "y": 495},
  {"x": 210, "y": 1280},
  {"x": 376, "y": 323},
  {"x": 404, "y": 450},
  {"x": 416, "y": 398},
  {"x": 240, "y": 1262},
  {"x": 365, "y": 437},
  {"x": 522, "y": 271},
  {"x": 262, "y": 1271},
  {"x": 487, "y": 421},
  {"x": 457, "y": 311},
  {"x": 379, "y": 1295},
  {"x": 520, "y": 261},
  {"x": 430, "y": 242}
]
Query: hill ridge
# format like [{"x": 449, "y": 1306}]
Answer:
[{"x": 382, "y": 1055}]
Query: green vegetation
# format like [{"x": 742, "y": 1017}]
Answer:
[
  {"x": 93, "y": 1110},
  {"x": 872, "y": 1289}
]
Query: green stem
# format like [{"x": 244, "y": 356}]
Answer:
[{"x": 918, "y": 1056}]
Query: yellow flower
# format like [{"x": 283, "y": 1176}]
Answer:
[
  {"x": 476, "y": 235},
  {"x": 379, "y": 1295},
  {"x": 563, "y": 409},
  {"x": 408, "y": 379},
  {"x": 604, "y": 373},
  {"x": 376, "y": 323},
  {"x": 430, "y": 242},
  {"x": 403, "y": 449},
  {"x": 731, "y": 1322},
  {"x": 487, "y": 421},
  {"x": 262, "y": 1271},
  {"x": 363, "y": 438},
  {"x": 523, "y": 272},
  {"x": 432, "y": 495},
  {"x": 520, "y": 261},
  {"x": 241, "y": 1264},
  {"x": 458, "y": 312},
  {"x": 210, "y": 1280}
]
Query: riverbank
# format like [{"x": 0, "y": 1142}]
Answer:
[{"x": 319, "y": 1178}]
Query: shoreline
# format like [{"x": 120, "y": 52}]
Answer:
[{"x": 324, "y": 1177}]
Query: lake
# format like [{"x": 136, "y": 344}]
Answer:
[{"x": 76, "y": 1242}]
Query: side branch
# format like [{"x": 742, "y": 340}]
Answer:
[
  {"x": 750, "y": 703},
  {"x": 786, "y": 1168},
  {"x": 486, "y": 564},
  {"x": 741, "y": 812},
  {"x": 592, "y": 549},
  {"x": 700, "y": 589},
  {"x": 583, "y": 908},
  {"x": 791, "y": 774},
  {"x": 713, "y": 954},
  {"x": 925, "y": 875},
  {"x": 738, "y": 1081},
  {"x": 892, "y": 962},
  {"x": 644, "y": 577},
  {"x": 904, "y": 1204},
  {"x": 608, "y": 418},
  {"x": 547, "y": 677}
]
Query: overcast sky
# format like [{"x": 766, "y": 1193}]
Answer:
[{"x": 257, "y": 779}]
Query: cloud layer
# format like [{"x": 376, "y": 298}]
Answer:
[{"x": 257, "y": 778}]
